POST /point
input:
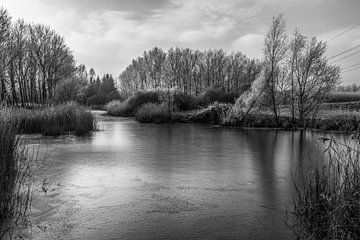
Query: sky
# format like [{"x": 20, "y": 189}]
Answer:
[{"x": 106, "y": 35}]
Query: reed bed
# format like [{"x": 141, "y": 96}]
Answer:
[
  {"x": 327, "y": 199},
  {"x": 67, "y": 118}
]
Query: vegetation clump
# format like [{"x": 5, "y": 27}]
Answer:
[
  {"x": 153, "y": 112},
  {"x": 53, "y": 120},
  {"x": 217, "y": 95},
  {"x": 129, "y": 107},
  {"x": 327, "y": 198}
]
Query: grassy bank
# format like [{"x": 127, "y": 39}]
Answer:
[
  {"x": 219, "y": 114},
  {"x": 15, "y": 180},
  {"x": 327, "y": 198},
  {"x": 68, "y": 118}
]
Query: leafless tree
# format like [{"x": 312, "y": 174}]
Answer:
[{"x": 275, "y": 52}]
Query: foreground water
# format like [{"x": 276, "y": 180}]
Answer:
[{"x": 182, "y": 181}]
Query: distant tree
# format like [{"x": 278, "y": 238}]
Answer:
[
  {"x": 354, "y": 87},
  {"x": 107, "y": 85},
  {"x": 81, "y": 72},
  {"x": 92, "y": 74}
]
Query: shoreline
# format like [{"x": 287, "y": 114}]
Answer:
[{"x": 292, "y": 129}]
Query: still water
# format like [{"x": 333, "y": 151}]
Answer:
[{"x": 181, "y": 181}]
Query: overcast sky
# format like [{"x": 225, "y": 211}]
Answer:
[{"x": 108, "y": 34}]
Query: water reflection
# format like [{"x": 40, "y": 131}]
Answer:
[{"x": 146, "y": 181}]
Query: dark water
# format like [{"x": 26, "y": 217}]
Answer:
[{"x": 182, "y": 181}]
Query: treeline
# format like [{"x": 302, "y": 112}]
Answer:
[
  {"x": 37, "y": 67},
  {"x": 191, "y": 71},
  {"x": 348, "y": 88},
  {"x": 33, "y": 59}
]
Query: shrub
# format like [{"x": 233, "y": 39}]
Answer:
[
  {"x": 15, "y": 179},
  {"x": 213, "y": 114},
  {"x": 129, "y": 107},
  {"x": 152, "y": 112},
  {"x": 97, "y": 100},
  {"x": 327, "y": 198},
  {"x": 217, "y": 95},
  {"x": 184, "y": 102}
]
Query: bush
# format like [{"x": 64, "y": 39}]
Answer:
[
  {"x": 213, "y": 114},
  {"x": 184, "y": 102},
  {"x": 129, "y": 107},
  {"x": 327, "y": 198},
  {"x": 217, "y": 95},
  {"x": 152, "y": 112},
  {"x": 116, "y": 108},
  {"x": 56, "y": 120},
  {"x": 15, "y": 179}
]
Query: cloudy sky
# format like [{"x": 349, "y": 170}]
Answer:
[{"x": 108, "y": 34}]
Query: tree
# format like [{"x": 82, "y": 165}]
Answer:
[
  {"x": 274, "y": 51},
  {"x": 92, "y": 74},
  {"x": 71, "y": 89},
  {"x": 296, "y": 46},
  {"x": 315, "y": 78},
  {"x": 5, "y": 27}
]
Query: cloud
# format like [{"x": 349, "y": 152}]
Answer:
[
  {"x": 107, "y": 36},
  {"x": 250, "y": 44}
]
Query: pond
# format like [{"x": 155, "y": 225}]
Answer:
[{"x": 180, "y": 181}]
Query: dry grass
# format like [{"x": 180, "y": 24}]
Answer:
[
  {"x": 327, "y": 200},
  {"x": 15, "y": 180},
  {"x": 54, "y": 120}
]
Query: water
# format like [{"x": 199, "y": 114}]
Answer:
[{"x": 182, "y": 181}]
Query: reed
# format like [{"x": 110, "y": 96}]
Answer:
[
  {"x": 327, "y": 199},
  {"x": 15, "y": 179},
  {"x": 67, "y": 118}
]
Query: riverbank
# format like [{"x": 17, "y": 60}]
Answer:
[{"x": 220, "y": 114}]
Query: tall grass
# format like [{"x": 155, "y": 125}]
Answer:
[
  {"x": 152, "y": 112},
  {"x": 15, "y": 179},
  {"x": 327, "y": 200},
  {"x": 54, "y": 120}
]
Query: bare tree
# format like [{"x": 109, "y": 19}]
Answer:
[
  {"x": 274, "y": 51},
  {"x": 315, "y": 78},
  {"x": 296, "y": 46},
  {"x": 5, "y": 27}
]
